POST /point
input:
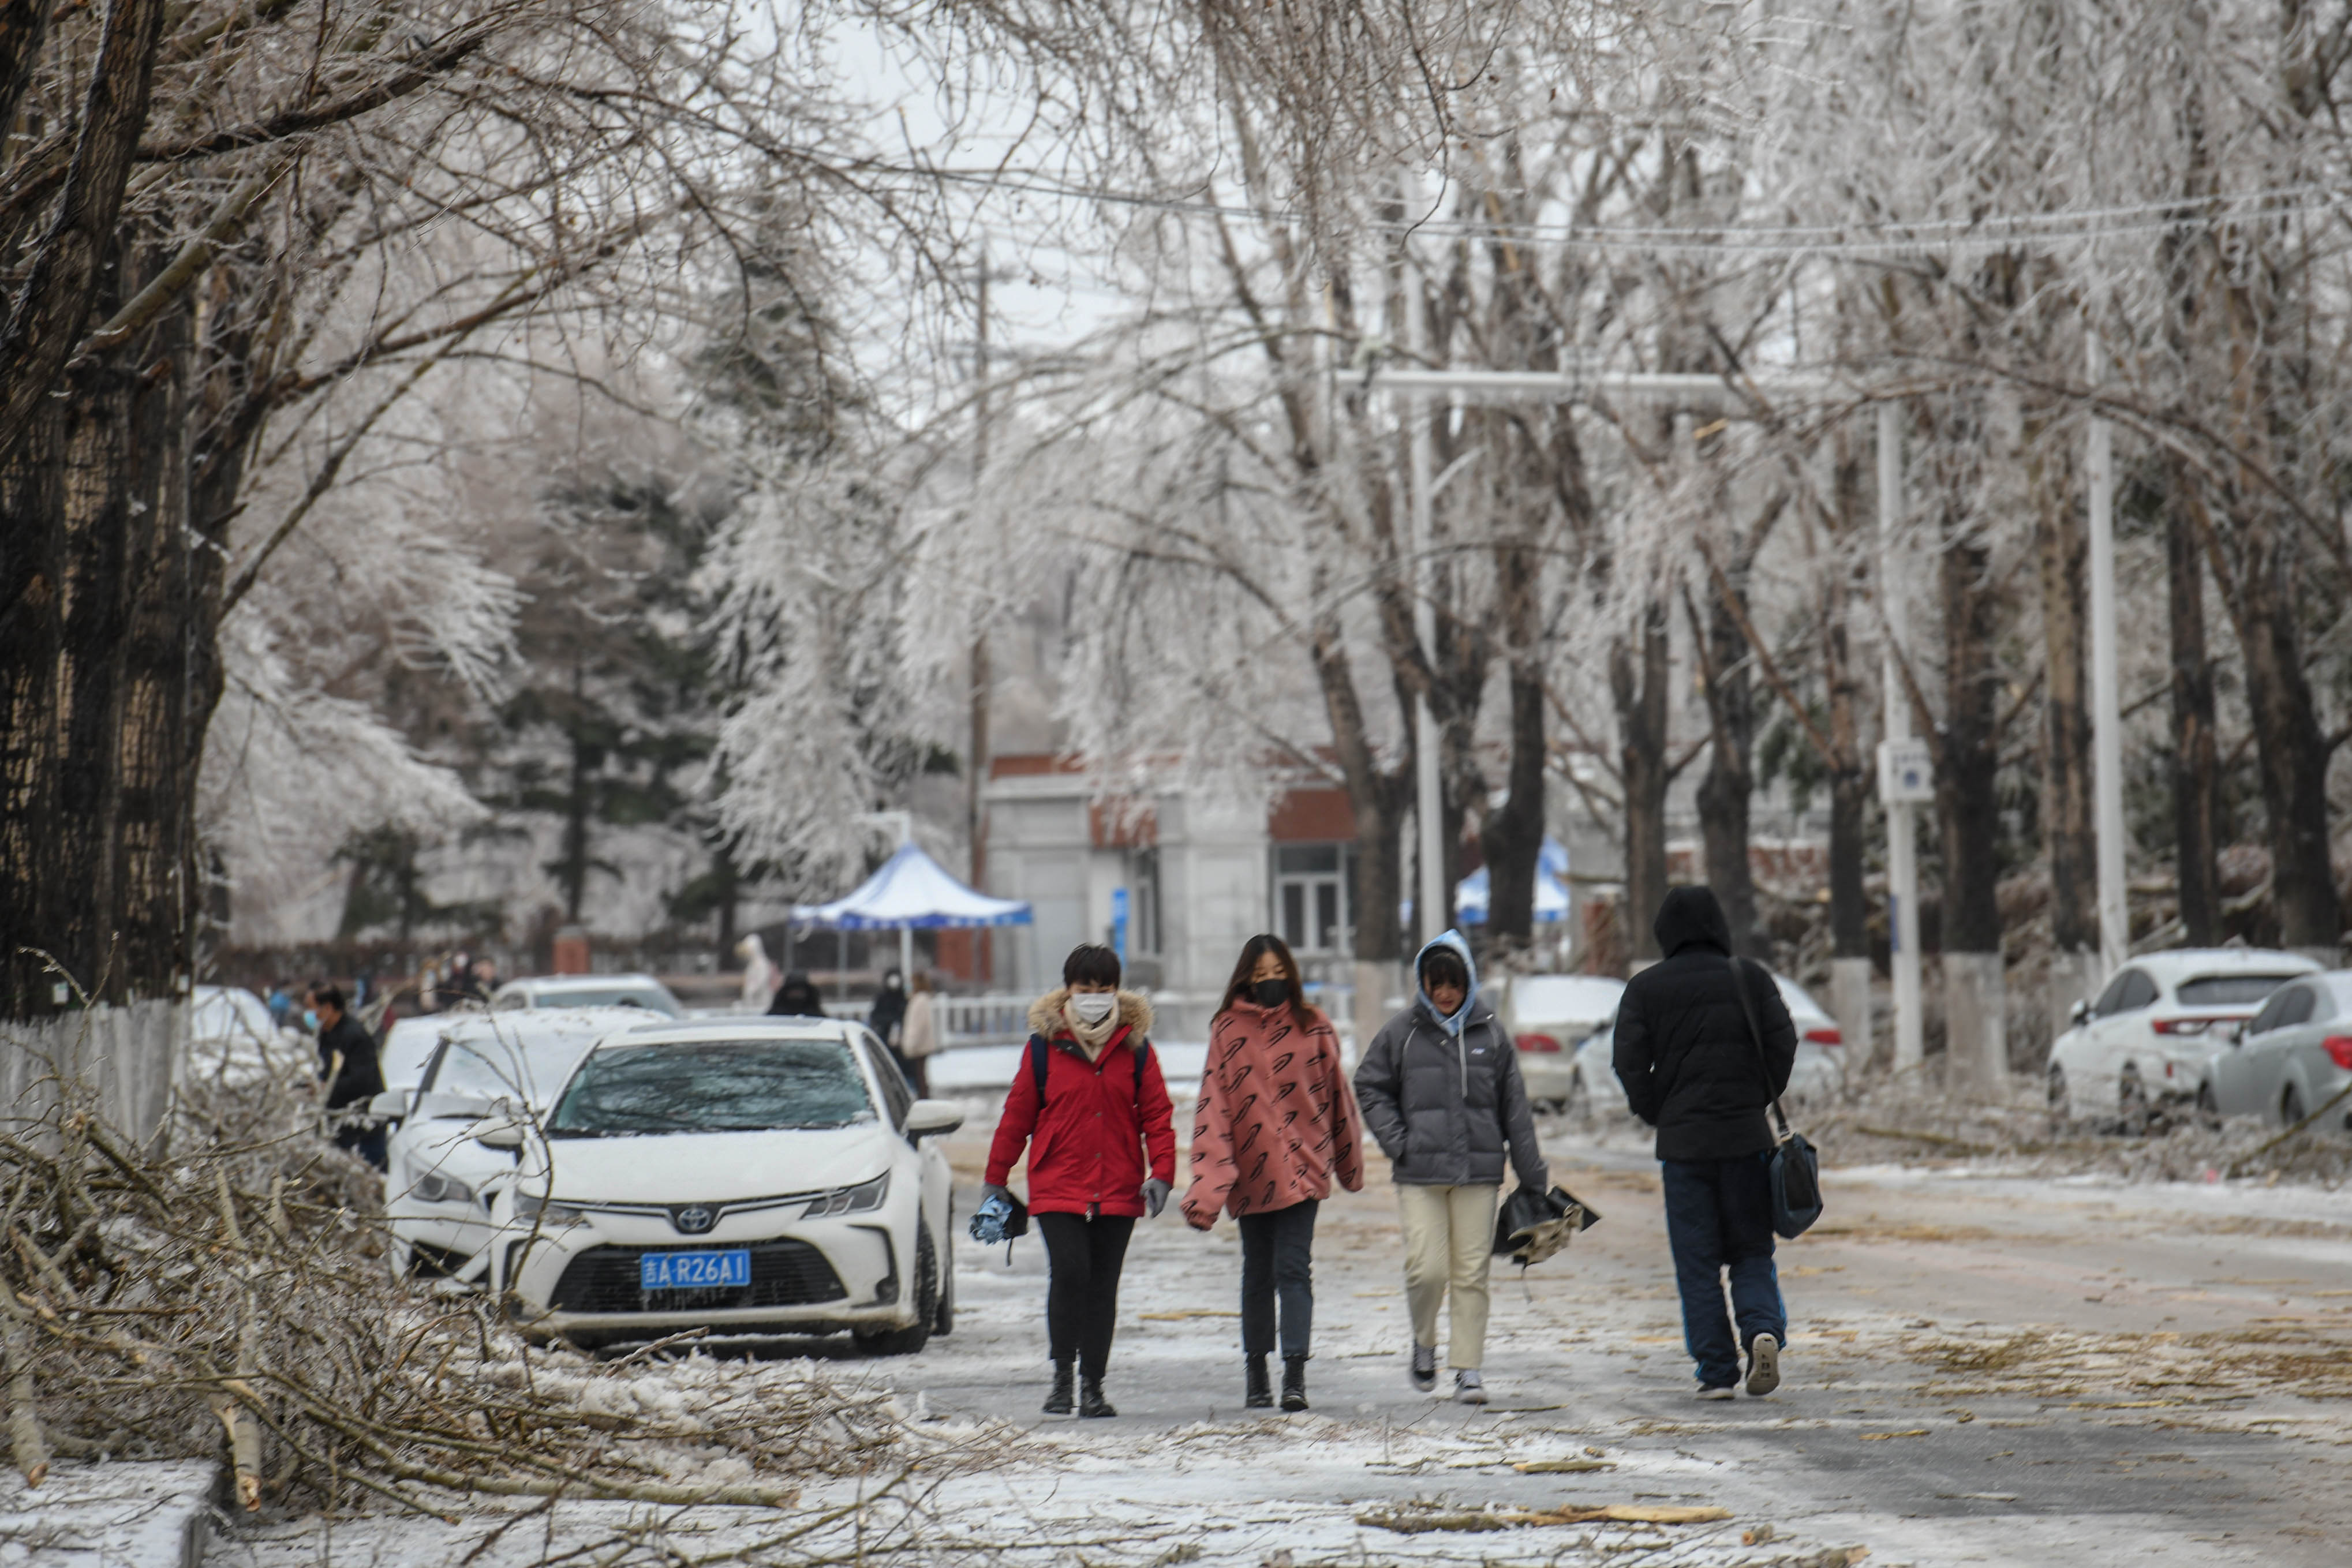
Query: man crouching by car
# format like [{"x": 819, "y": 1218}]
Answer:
[{"x": 1693, "y": 1069}]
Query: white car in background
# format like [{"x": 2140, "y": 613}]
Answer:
[
  {"x": 747, "y": 1175},
  {"x": 2145, "y": 1044},
  {"x": 439, "y": 1181},
  {"x": 587, "y": 991},
  {"x": 2294, "y": 1057},
  {"x": 410, "y": 1043},
  {"x": 232, "y": 1040},
  {"x": 1817, "y": 1076},
  {"x": 1548, "y": 1017}
]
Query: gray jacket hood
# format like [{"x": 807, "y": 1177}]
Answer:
[{"x": 1451, "y": 1023}]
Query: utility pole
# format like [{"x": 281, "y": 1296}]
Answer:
[
  {"x": 976, "y": 754},
  {"x": 1429, "y": 902},
  {"x": 1903, "y": 776},
  {"x": 2106, "y": 703}
]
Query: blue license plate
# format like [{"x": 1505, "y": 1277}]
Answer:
[{"x": 694, "y": 1271}]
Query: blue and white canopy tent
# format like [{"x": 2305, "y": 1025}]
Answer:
[
  {"x": 1471, "y": 895},
  {"x": 910, "y": 893}
]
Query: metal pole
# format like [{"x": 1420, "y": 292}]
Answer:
[
  {"x": 1902, "y": 833},
  {"x": 1430, "y": 904},
  {"x": 2107, "y": 709}
]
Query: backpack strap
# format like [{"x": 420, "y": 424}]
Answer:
[
  {"x": 1739, "y": 967},
  {"x": 1037, "y": 1065},
  {"x": 1142, "y": 1053}
]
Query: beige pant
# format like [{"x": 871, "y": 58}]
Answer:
[{"x": 1448, "y": 1231}]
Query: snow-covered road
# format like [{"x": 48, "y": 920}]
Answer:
[{"x": 1982, "y": 1370}]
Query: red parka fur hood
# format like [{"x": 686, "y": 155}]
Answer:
[{"x": 1104, "y": 1124}]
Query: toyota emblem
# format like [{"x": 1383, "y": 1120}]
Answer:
[{"x": 693, "y": 1220}]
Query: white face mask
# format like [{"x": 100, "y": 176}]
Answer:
[{"x": 1093, "y": 1007}]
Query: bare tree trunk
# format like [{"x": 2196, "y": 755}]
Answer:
[
  {"x": 1728, "y": 786},
  {"x": 2195, "y": 759},
  {"x": 1511, "y": 838},
  {"x": 2069, "y": 836},
  {"x": 1969, "y": 814},
  {"x": 1637, "y": 683}
]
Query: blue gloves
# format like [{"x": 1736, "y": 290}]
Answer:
[{"x": 1155, "y": 1196}]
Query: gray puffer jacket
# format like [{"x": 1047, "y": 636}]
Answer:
[{"x": 1443, "y": 1097}]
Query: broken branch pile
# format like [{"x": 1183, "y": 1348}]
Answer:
[{"x": 226, "y": 1295}]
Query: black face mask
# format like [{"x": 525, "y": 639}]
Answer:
[{"x": 1269, "y": 993}]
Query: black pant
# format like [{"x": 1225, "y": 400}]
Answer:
[
  {"x": 1278, "y": 1259},
  {"x": 1719, "y": 1218},
  {"x": 1083, "y": 1257}
]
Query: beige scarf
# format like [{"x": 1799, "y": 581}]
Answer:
[{"x": 1093, "y": 1037}]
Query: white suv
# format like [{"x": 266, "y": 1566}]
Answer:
[{"x": 2150, "y": 1040}]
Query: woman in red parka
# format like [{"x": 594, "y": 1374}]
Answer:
[
  {"x": 1276, "y": 1121},
  {"x": 1090, "y": 1106}
]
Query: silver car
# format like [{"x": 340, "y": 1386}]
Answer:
[
  {"x": 2143, "y": 1045},
  {"x": 1548, "y": 1017},
  {"x": 2293, "y": 1058},
  {"x": 1817, "y": 1076}
]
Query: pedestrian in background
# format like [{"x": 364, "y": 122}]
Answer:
[
  {"x": 349, "y": 1067},
  {"x": 919, "y": 1035},
  {"x": 1090, "y": 1107},
  {"x": 797, "y": 998},
  {"x": 888, "y": 1017},
  {"x": 1276, "y": 1121},
  {"x": 281, "y": 1003},
  {"x": 1440, "y": 1091},
  {"x": 1694, "y": 1068}
]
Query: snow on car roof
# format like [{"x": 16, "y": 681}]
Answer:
[
  {"x": 2178, "y": 963},
  {"x": 1564, "y": 998}
]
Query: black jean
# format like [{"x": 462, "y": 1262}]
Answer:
[
  {"x": 1719, "y": 1216},
  {"x": 1279, "y": 1262},
  {"x": 1083, "y": 1257}
]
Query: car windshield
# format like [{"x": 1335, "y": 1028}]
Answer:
[
  {"x": 1563, "y": 999},
  {"x": 651, "y": 998},
  {"x": 714, "y": 1086},
  {"x": 2228, "y": 990},
  {"x": 485, "y": 1069},
  {"x": 1794, "y": 997}
]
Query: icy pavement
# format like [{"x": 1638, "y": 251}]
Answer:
[
  {"x": 1982, "y": 1370},
  {"x": 105, "y": 1515}
]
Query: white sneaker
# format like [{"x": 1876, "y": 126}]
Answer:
[
  {"x": 1763, "y": 1366},
  {"x": 1467, "y": 1389},
  {"x": 1725, "y": 1392}
]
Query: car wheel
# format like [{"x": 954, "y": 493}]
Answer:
[
  {"x": 943, "y": 1320},
  {"x": 908, "y": 1340},
  {"x": 2131, "y": 1100},
  {"x": 2062, "y": 1103},
  {"x": 2291, "y": 1108}
]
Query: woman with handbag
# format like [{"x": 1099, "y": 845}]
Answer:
[
  {"x": 1089, "y": 1106},
  {"x": 1440, "y": 1091},
  {"x": 1274, "y": 1122},
  {"x": 1703, "y": 1045}
]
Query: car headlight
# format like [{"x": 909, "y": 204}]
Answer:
[
  {"x": 859, "y": 1199},
  {"x": 432, "y": 1186},
  {"x": 529, "y": 1205}
]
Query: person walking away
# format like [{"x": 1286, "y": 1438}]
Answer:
[
  {"x": 349, "y": 1067},
  {"x": 888, "y": 1017},
  {"x": 1090, "y": 1107},
  {"x": 1687, "y": 1057},
  {"x": 1441, "y": 1092},
  {"x": 760, "y": 973},
  {"x": 919, "y": 1035},
  {"x": 1276, "y": 1121},
  {"x": 797, "y": 998}
]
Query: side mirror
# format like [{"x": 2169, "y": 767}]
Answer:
[
  {"x": 927, "y": 1118},
  {"x": 2079, "y": 1014},
  {"x": 392, "y": 1104},
  {"x": 2236, "y": 1032},
  {"x": 503, "y": 1135}
]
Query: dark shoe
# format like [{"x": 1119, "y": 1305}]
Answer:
[
  {"x": 1294, "y": 1382},
  {"x": 1059, "y": 1402},
  {"x": 1260, "y": 1385},
  {"x": 1090, "y": 1399},
  {"x": 1424, "y": 1367}
]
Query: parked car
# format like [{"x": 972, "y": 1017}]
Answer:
[
  {"x": 587, "y": 991},
  {"x": 1818, "y": 1074},
  {"x": 439, "y": 1180},
  {"x": 2293, "y": 1058},
  {"x": 2143, "y": 1046},
  {"x": 410, "y": 1043},
  {"x": 233, "y": 1039},
  {"x": 751, "y": 1175},
  {"x": 1548, "y": 1017}
]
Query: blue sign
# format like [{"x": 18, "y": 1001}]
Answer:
[
  {"x": 693, "y": 1270},
  {"x": 1118, "y": 922}
]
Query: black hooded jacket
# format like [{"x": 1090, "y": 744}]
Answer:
[
  {"x": 796, "y": 997},
  {"x": 1683, "y": 1049}
]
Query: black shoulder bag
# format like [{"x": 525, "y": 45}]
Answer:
[{"x": 1796, "y": 1166}]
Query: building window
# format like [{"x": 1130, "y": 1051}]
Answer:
[
  {"x": 1144, "y": 932},
  {"x": 1313, "y": 899}
]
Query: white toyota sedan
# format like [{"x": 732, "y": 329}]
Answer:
[
  {"x": 1818, "y": 1074},
  {"x": 745, "y": 1175},
  {"x": 2148, "y": 1041},
  {"x": 439, "y": 1181}
]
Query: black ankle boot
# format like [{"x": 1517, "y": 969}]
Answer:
[
  {"x": 1260, "y": 1385},
  {"x": 1294, "y": 1382},
  {"x": 1091, "y": 1398},
  {"x": 1058, "y": 1402}
]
